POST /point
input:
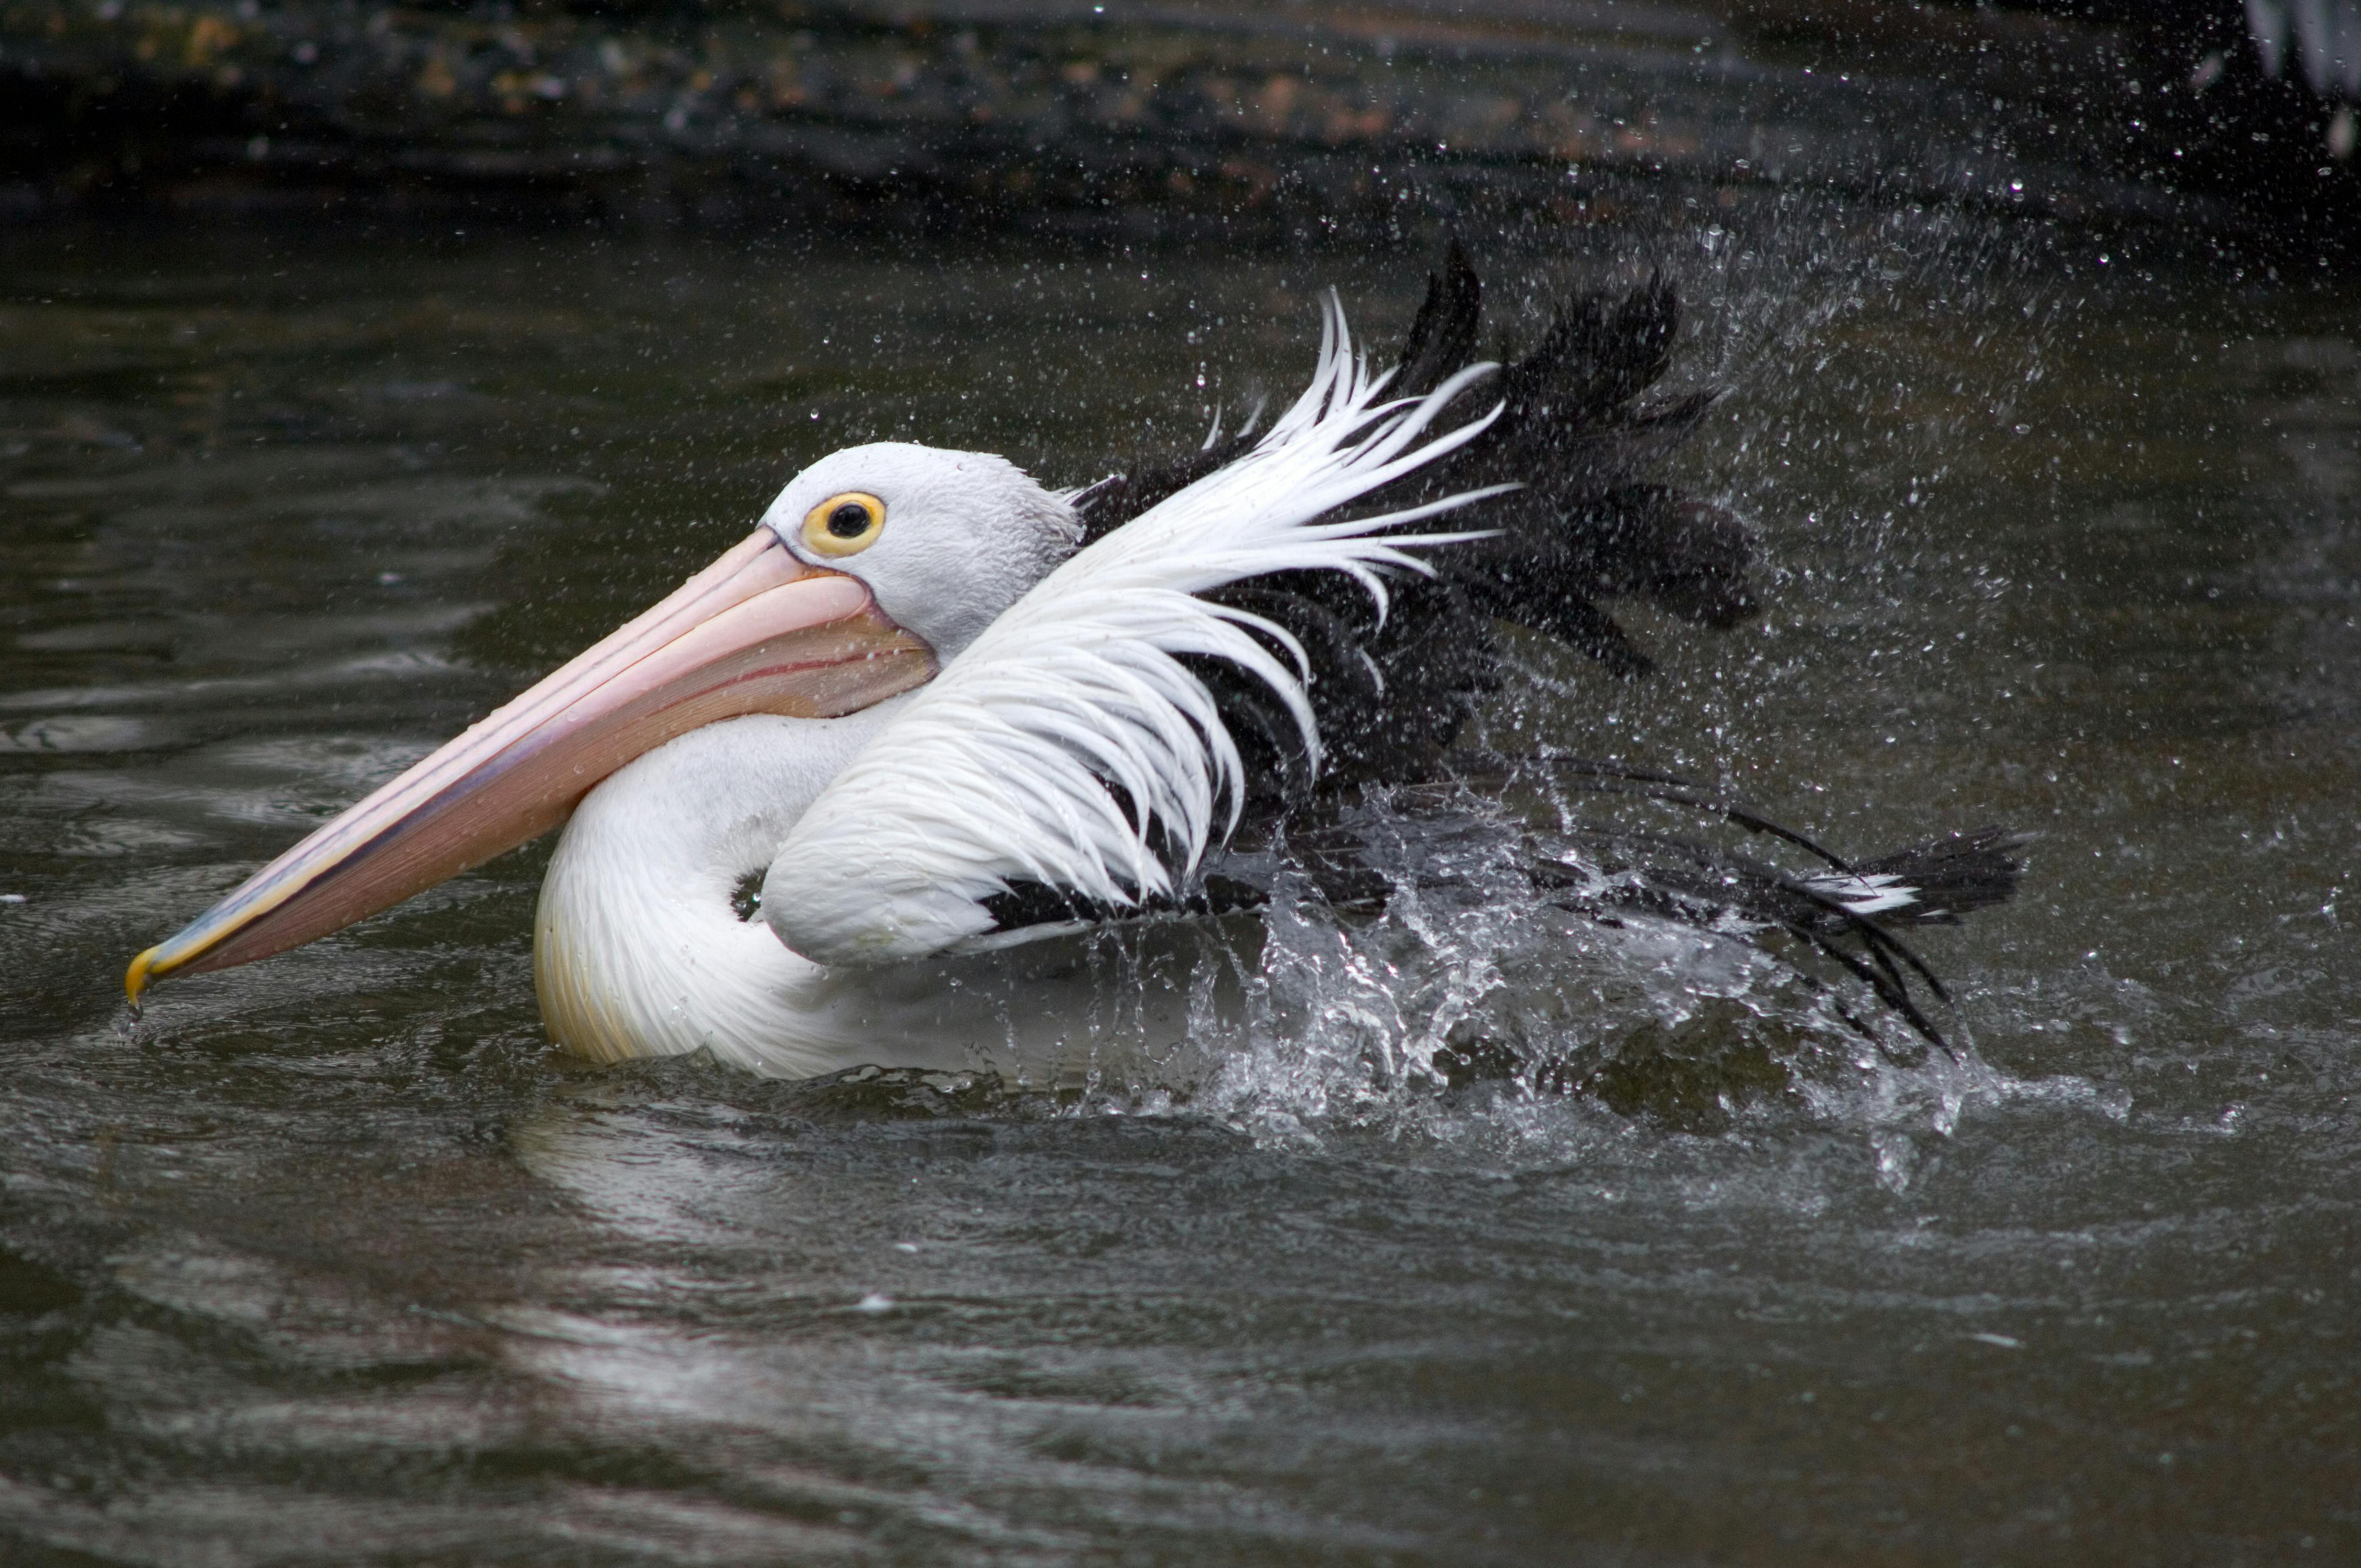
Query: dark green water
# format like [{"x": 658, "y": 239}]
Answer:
[{"x": 330, "y": 1259}]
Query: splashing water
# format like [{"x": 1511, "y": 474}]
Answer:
[{"x": 1472, "y": 991}]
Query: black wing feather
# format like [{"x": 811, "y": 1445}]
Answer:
[{"x": 1589, "y": 523}]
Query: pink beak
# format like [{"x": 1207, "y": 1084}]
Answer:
[{"x": 758, "y": 632}]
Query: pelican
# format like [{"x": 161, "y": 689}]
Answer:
[{"x": 931, "y": 709}]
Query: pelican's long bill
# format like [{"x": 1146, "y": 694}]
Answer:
[{"x": 758, "y": 632}]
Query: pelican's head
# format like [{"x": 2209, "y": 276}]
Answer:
[
  {"x": 875, "y": 565},
  {"x": 944, "y": 540}
]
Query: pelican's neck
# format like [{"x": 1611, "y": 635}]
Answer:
[{"x": 638, "y": 949}]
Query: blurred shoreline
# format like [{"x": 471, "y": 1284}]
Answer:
[{"x": 1247, "y": 123}]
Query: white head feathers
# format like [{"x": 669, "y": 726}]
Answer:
[{"x": 965, "y": 533}]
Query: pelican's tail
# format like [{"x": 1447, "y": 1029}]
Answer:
[
  {"x": 1933, "y": 883},
  {"x": 1846, "y": 915}
]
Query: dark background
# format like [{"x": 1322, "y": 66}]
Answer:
[{"x": 1198, "y": 117}]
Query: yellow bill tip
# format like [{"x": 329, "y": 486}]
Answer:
[{"x": 142, "y": 971}]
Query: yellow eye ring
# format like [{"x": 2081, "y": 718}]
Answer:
[{"x": 844, "y": 524}]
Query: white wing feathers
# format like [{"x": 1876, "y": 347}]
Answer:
[{"x": 996, "y": 772}]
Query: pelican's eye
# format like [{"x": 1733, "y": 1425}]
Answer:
[{"x": 845, "y": 524}]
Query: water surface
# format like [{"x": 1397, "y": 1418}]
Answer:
[{"x": 332, "y": 1258}]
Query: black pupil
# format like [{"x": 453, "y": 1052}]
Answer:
[{"x": 850, "y": 521}]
